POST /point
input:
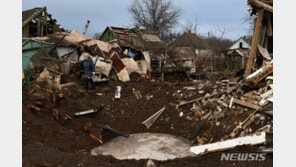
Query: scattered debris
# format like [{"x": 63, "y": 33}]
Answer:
[
  {"x": 200, "y": 105},
  {"x": 137, "y": 93},
  {"x": 107, "y": 127},
  {"x": 240, "y": 125},
  {"x": 150, "y": 163},
  {"x": 117, "y": 92},
  {"x": 148, "y": 122}
]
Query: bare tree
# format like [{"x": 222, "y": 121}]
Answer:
[
  {"x": 250, "y": 20},
  {"x": 192, "y": 26},
  {"x": 158, "y": 15},
  {"x": 218, "y": 43}
]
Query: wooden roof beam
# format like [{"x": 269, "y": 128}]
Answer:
[
  {"x": 33, "y": 17},
  {"x": 260, "y": 4}
]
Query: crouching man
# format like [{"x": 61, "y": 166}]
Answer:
[{"x": 89, "y": 70}]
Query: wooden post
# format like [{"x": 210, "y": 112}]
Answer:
[
  {"x": 269, "y": 24},
  {"x": 255, "y": 40},
  {"x": 45, "y": 22},
  {"x": 42, "y": 24},
  {"x": 39, "y": 25}
]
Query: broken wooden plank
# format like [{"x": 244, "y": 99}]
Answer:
[
  {"x": 255, "y": 40},
  {"x": 252, "y": 97},
  {"x": 67, "y": 84},
  {"x": 245, "y": 104},
  {"x": 262, "y": 5},
  {"x": 260, "y": 74},
  {"x": 267, "y": 93},
  {"x": 229, "y": 144}
]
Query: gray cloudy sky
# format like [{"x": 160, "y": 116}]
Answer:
[{"x": 73, "y": 14}]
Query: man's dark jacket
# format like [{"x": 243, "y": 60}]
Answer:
[{"x": 89, "y": 67}]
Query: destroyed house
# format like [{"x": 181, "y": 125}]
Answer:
[
  {"x": 60, "y": 49},
  {"x": 145, "y": 45},
  {"x": 54, "y": 48},
  {"x": 261, "y": 51},
  {"x": 37, "y": 23},
  {"x": 185, "y": 50}
]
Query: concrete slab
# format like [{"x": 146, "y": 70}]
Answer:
[{"x": 155, "y": 146}]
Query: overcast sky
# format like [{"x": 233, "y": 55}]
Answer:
[{"x": 73, "y": 14}]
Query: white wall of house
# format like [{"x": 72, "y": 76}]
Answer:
[{"x": 241, "y": 43}]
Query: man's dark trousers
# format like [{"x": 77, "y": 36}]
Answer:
[{"x": 89, "y": 80}]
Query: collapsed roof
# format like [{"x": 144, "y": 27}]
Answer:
[
  {"x": 76, "y": 39},
  {"x": 135, "y": 38},
  {"x": 37, "y": 23}
]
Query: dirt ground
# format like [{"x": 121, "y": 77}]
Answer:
[{"x": 52, "y": 136}]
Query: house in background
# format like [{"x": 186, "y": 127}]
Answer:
[
  {"x": 237, "y": 54},
  {"x": 38, "y": 23},
  {"x": 144, "y": 45},
  {"x": 186, "y": 50}
]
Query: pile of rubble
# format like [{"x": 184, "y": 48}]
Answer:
[
  {"x": 50, "y": 61},
  {"x": 232, "y": 96},
  {"x": 214, "y": 116}
]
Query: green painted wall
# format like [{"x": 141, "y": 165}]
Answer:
[
  {"x": 108, "y": 35},
  {"x": 29, "y": 49}
]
